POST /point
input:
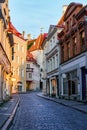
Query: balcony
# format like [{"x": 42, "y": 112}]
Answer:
[{"x": 29, "y": 69}]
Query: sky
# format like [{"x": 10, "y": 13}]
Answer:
[{"x": 32, "y": 15}]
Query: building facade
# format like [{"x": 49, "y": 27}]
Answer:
[
  {"x": 18, "y": 64},
  {"x": 5, "y": 52},
  {"x": 32, "y": 73},
  {"x": 53, "y": 61},
  {"x": 37, "y": 52},
  {"x": 73, "y": 45},
  {"x": 44, "y": 46}
]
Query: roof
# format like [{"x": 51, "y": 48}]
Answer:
[
  {"x": 61, "y": 21},
  {"x": 13, "y": 30},
  {"x": 72, "y": 6},
  {"x": 30, "y": 43},
  {"x": 30, "y": 57},
  {"x": 32, "y": 40},
  {"x": 38, "y": 42}
]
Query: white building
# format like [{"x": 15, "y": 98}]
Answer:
[
  {"x": 32, "y": 73},
  {"x": 53, "y": 60},
  {"x": 44, "y": 72},
  {"x": 37, "y": 52}
]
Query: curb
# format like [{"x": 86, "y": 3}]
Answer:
[
  {"x": 8, "y": 122},
  {"x": 62, "y": 104}
]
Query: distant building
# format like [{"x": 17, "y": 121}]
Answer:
[
  {"x": 37, "y": 52},
  {"x": 32, "y": 73},
  {"x": 44, "y": 47}
]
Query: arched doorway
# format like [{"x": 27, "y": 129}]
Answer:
[{"x": 19, "y": 86}]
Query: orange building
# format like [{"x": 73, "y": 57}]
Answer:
[{"x": 18, "y": 60}]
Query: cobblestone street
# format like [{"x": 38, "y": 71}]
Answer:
[{"x": 35, "y": 113}]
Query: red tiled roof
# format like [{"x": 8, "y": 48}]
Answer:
[
  {"x": 13, "y": 30},
  {"x": 30, "y": 43},
  {"x": 38, "y": 42},
  {"x": 30, "y": 57}
]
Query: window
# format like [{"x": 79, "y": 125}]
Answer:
[
  {"x": 22, "y": 72},
  {"x": 18, "y": 71},
  {"x": 28, "y": 65},
  {"x": 22, "y": 61},
  {"x": 57, "y": 63},
  {"x": 68, "y": 50},
  {"x": 4, "y": 11},
  {"x": 30, "y": 75},
  {"x": 67, "y": 26},
  {"x": 48, "y": 66},
  {"x": 70, "y": 23},
  {"x": 12, "y": 53},
  {"x": 82, "y": 39},
  {"x": 53, "y": 39},
  {"x": 73, "y": 82},
  {"x": 85, "y": 18},
  {"x": 22, "y": 48},
  {"x": 62, "y": 53},
  {"x": 18, "y": 59},
  {"x": 74, "y": 46},
  {"x": 18, "y": 46},
  {"x": 73, "y": 19},
  {"x": 50, "y": 41},
  {"x": 53, "y": 62},
  {"x": 73, "y": 87},
  {"x": 65, "y": 86}
]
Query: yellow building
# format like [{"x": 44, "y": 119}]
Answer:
[
  {"x": 18, "y": 60},
  {"x": 5, "y": 53}
]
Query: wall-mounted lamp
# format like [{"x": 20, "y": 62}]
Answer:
[
  {"x": 13, "y": 79},
  {"x": 64, "y": 75}
]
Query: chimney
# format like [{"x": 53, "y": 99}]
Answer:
[
  {"x": 64, "y": 8},
  {"x": 23, "y": 33},
  {"x": 29, "y": 36}
]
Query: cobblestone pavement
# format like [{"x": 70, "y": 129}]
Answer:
[
  {"x": 36, "y": 113},
  {"x": 80, "y": 106},
  {"x": 6, "y": 110}
]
